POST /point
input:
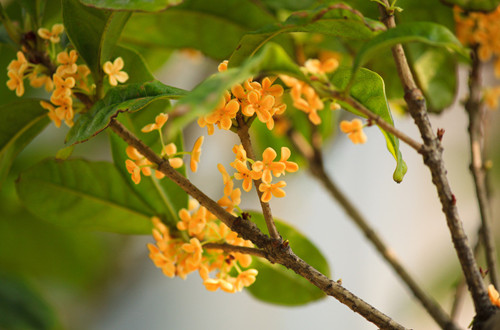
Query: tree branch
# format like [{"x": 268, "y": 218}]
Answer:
[
  {"x": 476, "y": 111},
  {"x": 242, "y": 132},
  {"x": 235, "y": 248},
  {"x": 316, "y": 166},
  {"x": 276, "y": 253},
  {"x": 432, "y": 155}
]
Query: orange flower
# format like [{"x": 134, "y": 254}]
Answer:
[
  {"x": 224, "y": 114},
  {"x": 194, "y": 223},
  {"x": 38, "y": 81},
  {"x": 68, "y": 63},
  {"x": 491, "y": 96},
  {"x": 259, "y": 105},
  {"x": 245, "y": 279},
  {"x": 354, "y": 130},
  {"x": 268, "y": 165},
  {"x": 231, "y": 201},
  {"x": 133, "y": 169},
  {"x": 494, "y": 295},
  {"x": 15, "y": 83},
  {"x": 289, "y": 166},
  {"x": 212, "y": 284},
  {"x": 196, "y": 153},
  {"x": 273, "y": 189},
  {"x": 19, "y": 65},
  {"x": 202, "y": 123},
  {"x": 315, "y": 66},
  {"x": 113, "y": 70},
  {"x": 160, "y": 120},
  {"x": 53, "y": 35},
  {"x": 63, "y": 86},
  {"x": 52, "y": 114},
  {"x": 246, "y": 175},
  {"x": 170, "y": 150},
  {"x": 222, "y": 66},
  {"x": 226, "y": 180}
]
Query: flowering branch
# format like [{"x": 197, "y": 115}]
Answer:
[
  {"x": 475, "y": 108},
  {"x": 432, "y": 155},
  {"x": 314, "y": 158},
  {"x": 242, "y": 131},
  {"x": 276, "y": 251}
]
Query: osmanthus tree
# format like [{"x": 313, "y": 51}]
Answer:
[{"x": 85, "y": 64}]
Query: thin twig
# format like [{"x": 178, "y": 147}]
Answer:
[
  {"x": 235, "y": 248},
  {"x": 432, "y": 155},
  {"x": 460, "y": 289},
  {"x": 316, "y": 166},
  {"x": 243, "y": 128},
  {"x": 276, "y": 253},
  {"x": 376, "y": 119},
  {"x": 476, "y": 110}
]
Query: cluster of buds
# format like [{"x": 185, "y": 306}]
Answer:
[
  {"x": 176, "y": 257},
  {"x": 138, "y": 164},
  {"x": 60, "y": 75}
]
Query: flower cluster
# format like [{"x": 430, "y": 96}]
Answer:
[
  {"x": 138, "y": 164},
  {"x": 262, "y": 99},
  {"x": 61, "y": 75},
  {"x": 248, "y": 170},
  {"x": 303, "y": 95},
  {"x": 176, "y": 257},
  {"x": 482, "y": 29}
]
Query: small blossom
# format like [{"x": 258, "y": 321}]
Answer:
[
  {"x": 38, "y": 81},
  {"x": 274, "y": 189},
  {"x": 19, "y": 65},
  {"x": 160, "y": 120},
  {"x": 354, "y": 130},
  {"x": 224, "y": 114},
  {"x": 15, "y": 83},
  {"x": 113, "y": 70},
  {"x": 229, "y": 202},
  {"x": 268, "y": 165},
  {"x": 246, "y": 175},
  {"x": 52, "y": 114},
  {"x": 67, "y": 63},
  {"x": 289, "y": 166},
  {"x": 133, "y": 169},
  {"x": 52, "y": 35},
  {"x": 494, "y": 295},
  {"x": 202, "y": 122},
  {"x": 222, "y": 66},
  {"x": 62, "y": 86},
  {"x": 226, "y": 180},
  {"x": 196, "y": 153},
  {"x": 245, "y": 279},
  {"x": 315, "y": 66},
  {"x": 170, "y": 150}
]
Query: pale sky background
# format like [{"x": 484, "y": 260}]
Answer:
[{"x": 408, "y": 216}]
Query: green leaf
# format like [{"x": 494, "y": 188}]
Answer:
[
  {"x": 73, "y": 259},
  {"x": 289, "y": 4},
  {"x": 204, "y": 98},
  {"x": 368, "y": 89},
  {"x": 132, "y": 97},
  {"x": 20, "y": 122},
  {"x": 212, "y": 28},
  {"x": 278, "y": 285},
  {"x": 79, "y": 194},
  {"x": 436, "y": 73},
  {"x": 132, "y": 5},
  {"x": 93, "y": 32},
  {"x": 474, "y": 5},
  {"x": 21, "y": 307},
  {"x": 338, "y": 21},
  {"x": 425, "y": 32},
  {"x": 163, "y": 196}
]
